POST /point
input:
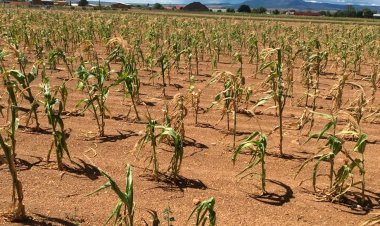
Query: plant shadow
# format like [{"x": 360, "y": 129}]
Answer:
[
  {"x": 167, "y": 183},
  {"x": 190, "y": 142},
  {"x": 206, "y": 126},
  {"x": 23, "y": 165},
  {"x": 148, "y": 103},
  {"x": 120, "y": 136},
  {"x": 273, "y": 198},
  {"x": 84, "y": 169},
  {"x": 47, "y": 221},
  {"x": 73, "y": 113},
  {"x": 288, "y": 156},
  {"x": 32, "y": 130},
  {"x": 353, "y": 201}
]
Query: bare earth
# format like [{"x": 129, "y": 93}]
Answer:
[{"x": 59, "y": 198}]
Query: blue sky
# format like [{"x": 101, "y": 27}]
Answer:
[{"x": 359, "y": 2}]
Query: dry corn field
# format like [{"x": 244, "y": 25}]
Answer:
[{"x": 150, "y": 119}]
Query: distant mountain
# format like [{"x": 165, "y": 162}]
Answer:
[{"x": 301, "y": 5}]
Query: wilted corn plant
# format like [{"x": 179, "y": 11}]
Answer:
[
  {"x": 356, "y": 109},
  {"x": 231, "y": 96},
  {"x": 53, "y": 58},
  {"x": 339, "y": 180},
  {"x": 53, "y": 110},
  {"x": 25, "y": 80},
  {"x": 334, "y": 145},
  {"x": 131, "y": 84},
  {"x": 163, "y": 62},
  {"x": 170, "y": 134},
  {"x": 93, "y": 83},
  {"x": 63, "y": 92},
  {"x": 150, "y": 136},
  {"x": 314, "y": 65},
  {"x": 124, "y": 209},
  {"x": 239, "y": 59},
  {"x": 253, "y": 51},
  {"x": 344, "y": 177},
  {"x": 337, "y": 92},
  {"x": 178, "y": 114},
  {"x": 276, "y": 82},
  {"x": 256, "y": 143},
  {"x": 195, "y": 101},
  {"x": 22, "y": 59},
  {"x": 8, "y": 144},
  {"x": 128, "y": 75},
  {"x": 203, "y": 208},
  {"x": 195, "y": 97}
]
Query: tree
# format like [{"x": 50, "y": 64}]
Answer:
[
  {"x": 260, "y": 10},
  {"x": 230, "y": 10},
  {"x": 339, "y": 13},
  {"x": 157, "y": 6},
  {"x": 359, "y": 13},
  {"x": 83, "y": 3},
  {"x": 276, "y": 12},
  {"x": 367, "y": 13},
  {"x": 350, "y": 11},
  {"x": 244, "y": 9}
]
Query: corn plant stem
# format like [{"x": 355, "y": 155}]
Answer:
[
  {"x": 332, "y": 159},
  {"x": 257, "y": 60},
  {"x": 280, "y": 96},
  {"x": 94, "y": 109},
  {"x": 154, "y": 157},
  {"x": 235, "y": 110},
  {"x": 190, "y": 69},
  {"x": 68, "y": 68},
  {"x": 331, "y": 172},
  {"x": 13, "y": 131},
  {"x": 263, "y": 173},
  {"x": 33, "y": 103},
  {"x": 22, "y": 68},
  {"x": 102, "y": 114},
  {"x": 13, "y": 110},
  {"x": 154, "y": 153},
  {"x": 228, "y": 120},
  {"x": 134, "y": 107},
  {"x": 169, "y": 77},
  {"x": 10, "y": 156},
  {"x": 196, "y": 110},
  {"x": 307, "y": 90},
  {"x": 316, "y": 88},
  {"x": 363, "y": 179},
  {"x": 196, "y": 61},
  {"x": 17, "y": 186},
  {"x": 101, "y": 103},
  {"x": 56, "y": 144},
  {"x": 163, "y": 78}
]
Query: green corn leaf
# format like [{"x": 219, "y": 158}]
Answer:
[
  {"x": 129, "y": 189},
  {"x": 361, "y": 143},
  {"x": 115, "y": 213},
  {"x": 106, "y": 185},
  {"x": 115, "y": 188},
  {"x": 250, "y": 166},
  {"x": 316, "y": 166}
]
